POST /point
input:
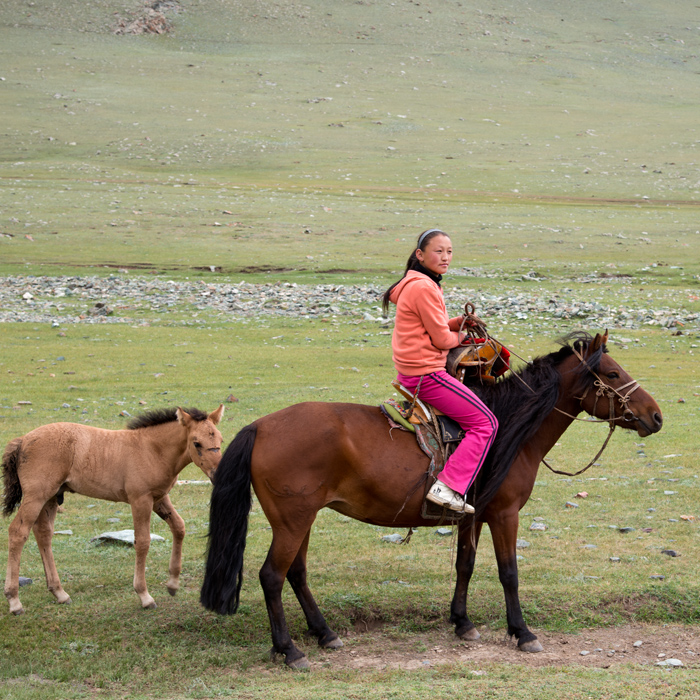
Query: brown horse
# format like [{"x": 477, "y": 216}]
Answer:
[
  {"x": 341, "y": 456},
  {"x": 138, "y": 466}
]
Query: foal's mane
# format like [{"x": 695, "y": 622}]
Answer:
[
  {"x": 158, "y": 416},
  {"x": 522, "y": 406}
]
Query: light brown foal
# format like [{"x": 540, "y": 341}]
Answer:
[{"x": 138, "y": 466}]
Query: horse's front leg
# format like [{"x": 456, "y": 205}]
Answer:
[
  {"x": 165, "y": 510},
  {"x": 141, "y": 513},
  {"x": 504, "y": 530},
  {"x": 318, "y": 627},
  {"x": 43, "y": 533},
  {"x": 467, "y": 542}
]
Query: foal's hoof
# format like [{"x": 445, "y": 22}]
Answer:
[
  {"x": 18, "y": 611},
  {"x": 470, "y": 635},
  {"x": 150, "y": 606},
  {"x": 300, "y": 664},
  {"x": 532, "y": 647},
  {"x": 336, "y": 643}
]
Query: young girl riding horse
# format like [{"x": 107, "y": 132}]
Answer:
[{"x": 423, "y": 335}]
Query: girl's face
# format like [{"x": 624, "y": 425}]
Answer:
[{"x": 437, "y": 255}]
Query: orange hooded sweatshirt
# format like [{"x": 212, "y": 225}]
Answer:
[{"x": 423, "y": 333}]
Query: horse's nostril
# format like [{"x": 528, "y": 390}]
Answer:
[{"x": 658, "y": 419}]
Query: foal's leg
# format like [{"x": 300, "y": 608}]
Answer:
[
  {"x": 165, "y": 510},
  {"x": 20, "y": 527},
  {"x": 504, "y": 530},
  {"x": 466, "y": 554},
  {"x": 43, "y": 532},
  {"x": 318, "y": 627},
  {"x": 286, "y": 542},
  {"x": 141, "y": 514}
]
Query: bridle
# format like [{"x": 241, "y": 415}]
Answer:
[{"x": 602, "y": 389}]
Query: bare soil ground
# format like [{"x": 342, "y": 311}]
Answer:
[{"x": 606, "y": 647}]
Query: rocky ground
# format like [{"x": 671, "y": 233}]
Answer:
[{"x": 125, "y": 299}]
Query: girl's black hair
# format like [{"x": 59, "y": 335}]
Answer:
[{"x": 413, "y": 263}]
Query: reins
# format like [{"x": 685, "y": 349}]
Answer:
[
  {"x": 472, "y": 326},
  {"x": 611, "y": 393}
]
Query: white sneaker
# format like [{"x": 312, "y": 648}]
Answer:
[{"x": 443, "y": 495}]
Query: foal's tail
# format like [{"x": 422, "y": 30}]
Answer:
[
  {"x": 228, "y": 525},
  {"x": 13, "y": 489}
]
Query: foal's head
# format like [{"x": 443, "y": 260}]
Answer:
[
  {"x": 203, "y": 437},
  {"x": 606, "y": 384}
]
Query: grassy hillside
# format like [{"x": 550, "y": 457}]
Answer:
[{"x": 261, "y": 133}]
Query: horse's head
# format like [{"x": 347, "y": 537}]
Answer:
[
  {"x": 203, "y": 439},
  {"x": 610, "y": 393}
]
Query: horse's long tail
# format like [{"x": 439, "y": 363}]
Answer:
[
  {"x": 228, "y": 525},
  {"x": 13, "y": 489}
]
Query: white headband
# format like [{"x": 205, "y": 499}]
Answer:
[{"x": 426, "y": 233}]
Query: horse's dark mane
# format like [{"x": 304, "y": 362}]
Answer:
[
  {"x": 158, "y": 416},
  {"x": 522, "y": 406}
]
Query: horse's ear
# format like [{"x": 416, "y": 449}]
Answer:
[
  {"x": 605, "y": 337},
  {"x": 215, "y": 416},
  {"x": 183, "y": 417},
  {"x": 597, "y": 341}
]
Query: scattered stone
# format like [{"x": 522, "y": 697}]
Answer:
[
  {"x": 657, "y": 577},
  {"x": 670, "y": 552},
  {"x": 231, "y": 399},
  {"x": 584, "y": 653},
  {"x": 615, "y": 560},
  {"x": 689, "y": 518},
  {"x": 590, "y": 546},
  {"x": 625, "y": 530},
  {"x": 582, "y": 494},
  {"x": 395, "y": 537},
  {"x": 24, "y": 581},
  {"x": 63, "y": 532},
  {"x": 113, "y": 520},
  {"x": 569, "y": 504},
  {"x": 522, "y": 544},
  {"x": 125, "y": 536},
  {"x": 638, "y": 644},
  {"x": 541, "y": 527},
  {"x": 443, "y": 531},
  {"x": 675, "y": 663},
  {"x": 670, "y": 493}
]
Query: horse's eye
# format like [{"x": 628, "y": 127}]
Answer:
[
  {"x": 197, "y": 444},
  {"x": 613, "y": 375}
]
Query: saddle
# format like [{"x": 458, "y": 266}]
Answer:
[
  {"x": 437, "y": 435},
  {"x": 478, "y": 360}
]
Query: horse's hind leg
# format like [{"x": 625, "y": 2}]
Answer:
[
  {"x": 466, "y": 554},
  {"x": 43, "y": 532},
  {"x": 318, "y": 627},
  {"x": 165, "y": 510},
  {"x": 286, "y": 542},
  {"x": 20, "y": 527}
]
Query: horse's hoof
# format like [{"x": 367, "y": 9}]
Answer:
[
  {"x": 172, "y": 591},
  {"x": 18, "y": 611},
  {"x": 150, "y": 606},
  {"x": 336, "y": 643},
  {"x": 67, "y": 601},
  {"x": 300, "y": 664},
  {"x": 470, "y": 635},
  {"x": 532, "y": 647}
]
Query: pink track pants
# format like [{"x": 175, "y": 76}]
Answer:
[{"x": 461, "y": 404}]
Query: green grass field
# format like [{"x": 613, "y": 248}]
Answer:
[{"x": 310, "y": 143}]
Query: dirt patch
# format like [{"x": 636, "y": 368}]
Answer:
[
  {"x": 594, "y": 648},
  {"x": 152, "y": 20}
]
